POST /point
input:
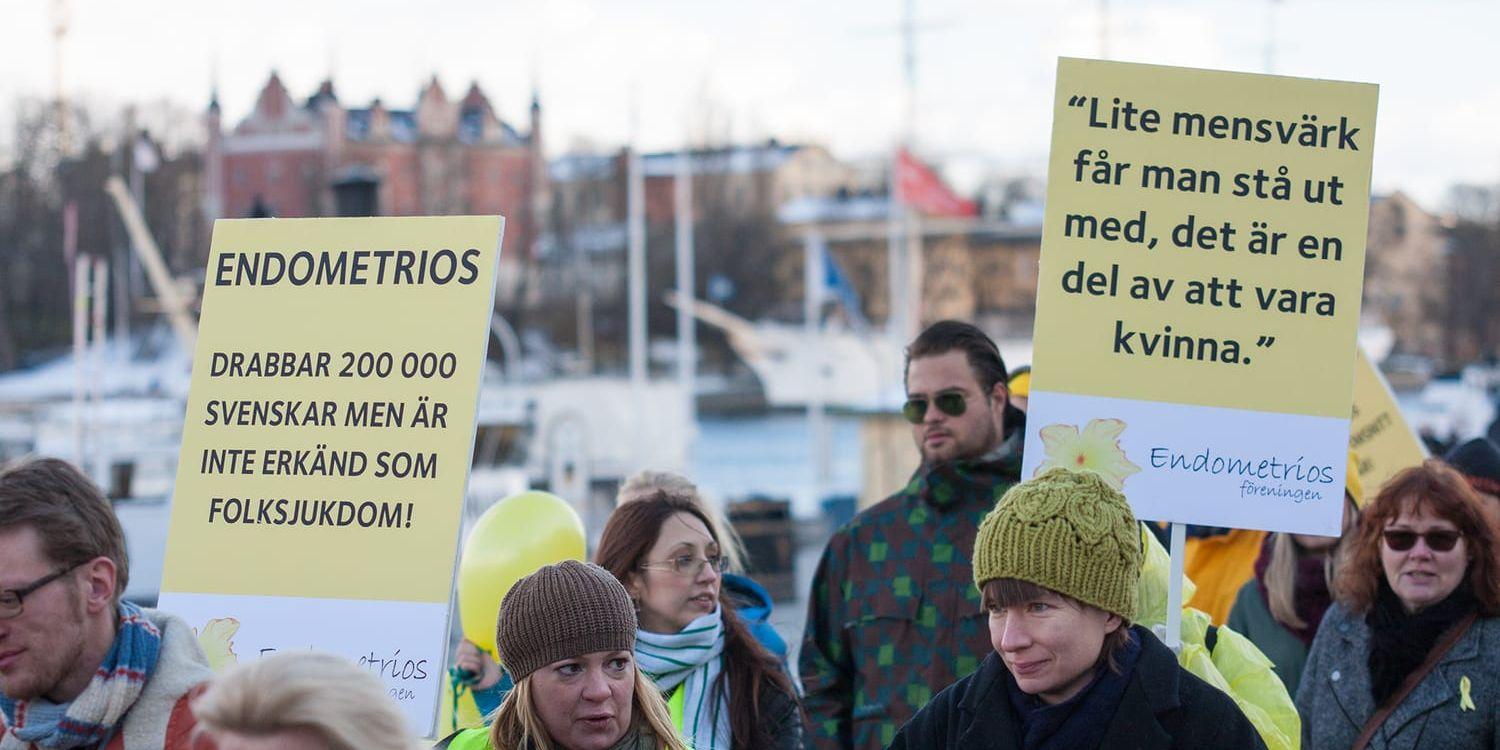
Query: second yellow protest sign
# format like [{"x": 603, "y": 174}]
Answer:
[
  {"x": 1203, "y": 251},
  {"x": 1381, "y": 439}
]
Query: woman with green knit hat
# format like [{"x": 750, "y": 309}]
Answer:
[{"x": 1056, "y": 563}]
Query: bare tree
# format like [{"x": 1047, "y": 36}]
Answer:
[
  {"x": 40, "y": 181},
  {"x": 33, "y": 275}
]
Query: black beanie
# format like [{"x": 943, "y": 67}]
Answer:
[{"x": 1479, "y": 461}]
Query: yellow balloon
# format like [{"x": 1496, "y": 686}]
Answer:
[{"x": 512, "y": 540}]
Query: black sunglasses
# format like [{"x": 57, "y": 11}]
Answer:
[
  {"x": 915, "y": 409},
  {"x": 1440, "y": 540}
]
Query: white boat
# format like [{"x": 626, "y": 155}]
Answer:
[
  {"x": 861, "y": 371},
  {"x": 853, "y": 371}
]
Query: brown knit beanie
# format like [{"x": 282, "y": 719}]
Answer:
[
  {"x": 1068, "y": 531},
  {"x": 562, "y": 611}
]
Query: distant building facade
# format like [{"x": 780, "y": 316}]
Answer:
[
  {"x": 320, "y": 158},
  {"x": 1406, "y": 264}
]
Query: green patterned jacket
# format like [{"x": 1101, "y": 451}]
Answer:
[{"x": 894, "y": 616}]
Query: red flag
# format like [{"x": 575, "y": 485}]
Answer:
[{"x": 922, "y": 189}]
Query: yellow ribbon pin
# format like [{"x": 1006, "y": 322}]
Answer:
[{"x": 1465, "y": 699}]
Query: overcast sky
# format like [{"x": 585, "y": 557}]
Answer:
[{"x": 827, "y": 72}]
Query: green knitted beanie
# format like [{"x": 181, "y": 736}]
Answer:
[{"x": 1068, "y": 531}]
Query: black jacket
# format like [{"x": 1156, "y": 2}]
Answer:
[
  {"x": 1164, "y": 706},
  {"x": 782, "y": 714}
]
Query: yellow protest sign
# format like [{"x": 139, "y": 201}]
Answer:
[
  {"x": 326, "y": 447},
  {"x": 1201, "y": 268},
  {"x": 1378, "y": 434}
]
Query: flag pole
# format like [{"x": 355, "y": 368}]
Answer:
[{"x": 815, "y": 276}]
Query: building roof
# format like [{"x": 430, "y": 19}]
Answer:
[
  {"x": 358, "y": 124},
  {"x": 764, "y": 157},
  {"x": 473, "y": 116}
]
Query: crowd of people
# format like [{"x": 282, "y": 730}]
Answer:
[{"x": 970, "y": 609}]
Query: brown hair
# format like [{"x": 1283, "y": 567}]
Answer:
[
  {"x": 75, "y": 522},
  {"x": 517, "y": 724},
  {"x": 648, "y": 482},
  {"x": 951, "y": 335},
  {"x": 749, "y": 668},
  {"x": 998, "y": 593},
  {"x": 984, "y": 361},
  {"x": 1435, "y": 488}
]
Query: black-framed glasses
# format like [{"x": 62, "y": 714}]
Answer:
[
  {"x": 12, "y": 600},
  {"x": 689, "y": 565},
  {"x": 1438, "y": 540},
  {"x": 951, "y": 403}
]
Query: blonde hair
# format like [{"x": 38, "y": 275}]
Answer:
[
  {"x": 518, "y": 727},
  {"x": 645, "y": 483},
  {"x": 345, "y": 706},
  {"x": 1280, "y": 579}
]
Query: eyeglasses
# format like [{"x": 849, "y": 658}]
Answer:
[
  {"x": 1440, "y": 540},
  {"x": 689, "y": 565},
  {"x": 952, "y": 403},
  {"x": 11, "y": 599}
]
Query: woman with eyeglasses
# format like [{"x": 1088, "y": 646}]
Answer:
[
  {"x": 725, "y": 690},
  {"x": 1406, "y": 657},
  {"x": 749, "y": 599}
]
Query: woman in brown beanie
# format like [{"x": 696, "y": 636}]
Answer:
[
  {"x": 567, "y": 637},
  {"x": 727, "y": 691}
]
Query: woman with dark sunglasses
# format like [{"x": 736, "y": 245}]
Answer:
[{"x": 1407, "y": 655}]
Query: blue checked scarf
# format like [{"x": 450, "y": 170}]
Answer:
[
  {"x": 691, "y": 661},
  {"x": 92, "y": 716}
]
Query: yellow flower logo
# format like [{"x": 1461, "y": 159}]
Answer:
[
  {"x": 217, "y": 640},
  {"x": 1097, "y": 449}
]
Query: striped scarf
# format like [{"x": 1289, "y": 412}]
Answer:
[
  {"x": 92, "y": 716},
  {"x": 691, "y": 659}
]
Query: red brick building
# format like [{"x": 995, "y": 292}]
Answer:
[{"x": 320, "y": 158}]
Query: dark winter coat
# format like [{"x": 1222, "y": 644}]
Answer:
[
  {"x": 1335, "y": 697},
  {"x": 780, "y": 712},
  {"x": 783, "y": 716},
  {"x": 1164, "y": 706}
]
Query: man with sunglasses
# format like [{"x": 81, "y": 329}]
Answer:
[
  {"x": 79, "y": 668},
  {"x": 894, "y": 617}
]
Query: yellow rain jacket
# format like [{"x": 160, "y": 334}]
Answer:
[
  {"x": 467, "y": 709},
  {"x": 1228, "y": 661},
  {"x": 1221, "y": 564}
]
